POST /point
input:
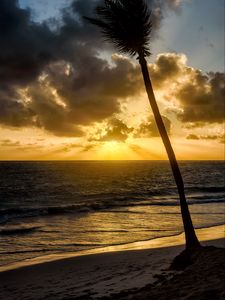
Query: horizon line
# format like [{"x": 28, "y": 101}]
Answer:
[{"x": 99, "y": 160}]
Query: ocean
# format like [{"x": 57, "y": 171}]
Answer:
[{"x": 68, "y": 206}]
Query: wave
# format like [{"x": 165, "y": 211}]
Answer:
[
  {"x": 9, "y": 214},
  {"x": 16, "y": 231},
  {"x": 191, "y": 202},
  {"x": 31, "y": 251},
  {"x": 15, "y": 213},
  {"x": 208, "y": 189}
]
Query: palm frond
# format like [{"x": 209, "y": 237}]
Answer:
[{"x": 126, "y": 23}]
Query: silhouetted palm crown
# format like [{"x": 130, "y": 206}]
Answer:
[{"x": 126, "y": 23}]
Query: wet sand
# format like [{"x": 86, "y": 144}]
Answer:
[{"x": 133, "y": 271}]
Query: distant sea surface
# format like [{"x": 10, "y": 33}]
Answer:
[{"x": 54, "y": 207}]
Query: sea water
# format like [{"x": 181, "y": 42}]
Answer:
[{"x": 54, "y": 207}]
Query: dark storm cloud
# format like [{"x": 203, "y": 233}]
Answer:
[
  {"x": 149, "y": 128},
  {"x": 91, "y": 89},
  {"x": 25, "y": 49},
  {"x": 25, "y": 46}
]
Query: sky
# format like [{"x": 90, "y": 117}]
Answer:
[{"x": 65, "y": 94}]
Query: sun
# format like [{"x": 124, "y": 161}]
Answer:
[
  {"x": 112, "y": 145},
  {"x": 115, "y": 150}
]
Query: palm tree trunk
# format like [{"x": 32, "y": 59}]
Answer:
[{"x": 190, "y": 236}]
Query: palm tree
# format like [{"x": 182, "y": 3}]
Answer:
[{"x": 127, "y": 24}]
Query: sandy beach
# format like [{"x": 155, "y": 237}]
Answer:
[{"x": 132, "y": 271}]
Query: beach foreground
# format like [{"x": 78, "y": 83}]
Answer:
[{"x": 133, "y": 271}]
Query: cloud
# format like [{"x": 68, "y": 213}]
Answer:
[
  {"x": 69, "y": 95},
  {"x": 210, "y": 137},
  {"x": 192, "y": 137},
  {"x": 12, "y": 110},
  {"x": 114, "y": 130},
  {"x": 158, "y": 11},
  {"x": 62, "y": 66},
  {"x": 222, "y": 140},
  {"x": 25, "y": 46},
  {"x": 200, "y": 96},
  {"x": 58, "y": 81},
  {"x": 219, "y": 137},
  {"x": 167, "y": 68},
  {"x": 174, "y": 4},
  {"x": 149, "y": 128},
  {"x": 9, "y": 143},
  {"x": 87, "y": 148},
  {"x": 49, "y": 111}
]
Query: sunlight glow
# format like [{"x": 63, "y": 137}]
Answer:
[{"x": 115, "y": 150}]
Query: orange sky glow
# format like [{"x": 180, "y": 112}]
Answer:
[{"x": 93, "y": 105}]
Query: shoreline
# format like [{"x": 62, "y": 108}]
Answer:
[
  {"x": 119, "y": 273},
  {"x": 203, "y": 233}
]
